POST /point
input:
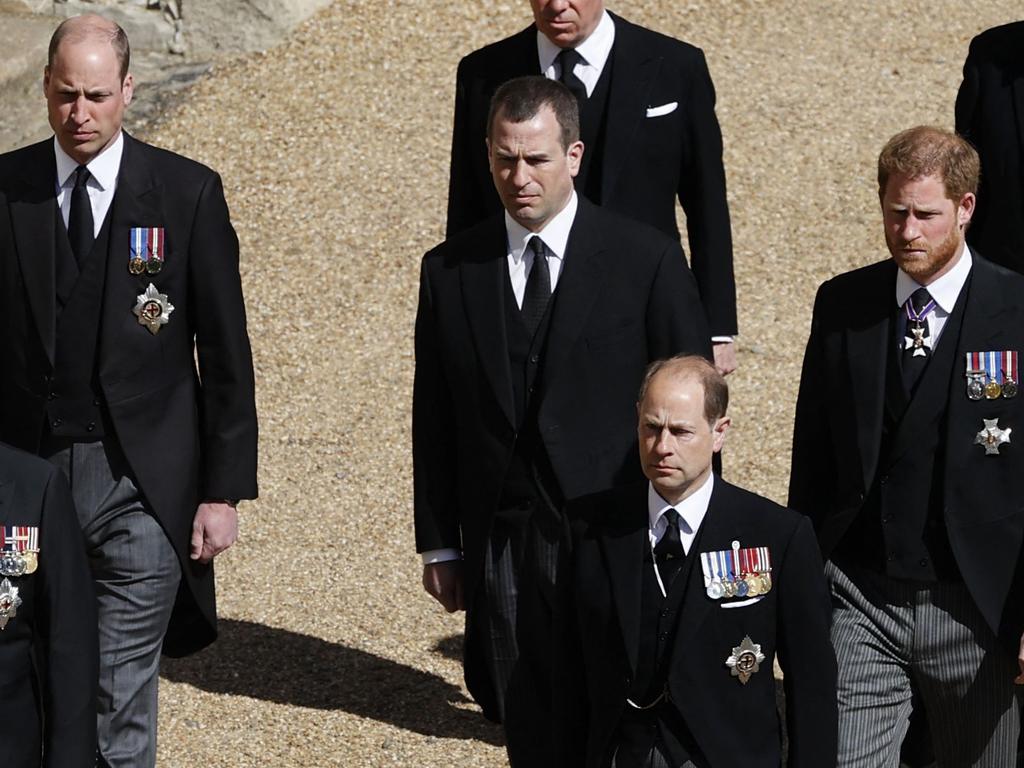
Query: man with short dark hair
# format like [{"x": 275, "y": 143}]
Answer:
[
  {"x": 647, "y": 116},
  {"x": 127, "y": 364},
  {"x": 532, "y": 334},
  {"x": 683, "y": 590},
  {"x": 905, "y": 459}
]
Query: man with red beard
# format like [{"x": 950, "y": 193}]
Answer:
[{"x": 905, "y": 459}]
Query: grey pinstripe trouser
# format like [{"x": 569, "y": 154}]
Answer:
[
  {"x": 136, "y": 575},
  {"x": 890, "y": 634}
]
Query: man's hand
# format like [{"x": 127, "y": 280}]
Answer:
[
  {"x": 725, "y": 356},
  {"x": 1019, "y": 679},
  {"x": 443, "y": 582},
  {"x": 214, "y": 529}
]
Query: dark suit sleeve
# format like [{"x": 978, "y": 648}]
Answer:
[
  {"x": 228, "y": 431},
  {"x": 806, "y": 655},
  {"x": 433, "y": 428},
  {"x": 66, "y": 625},
  {"x": 675, "y": 317},
  {"x": 811, "y": 464},
  {"x": 703, "y": 197},
  {"x": 465, "y": 203}
]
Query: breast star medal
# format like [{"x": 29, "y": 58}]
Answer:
[
  {"x": 745, "y": 660},
  {"x": 9, "y": 602},
  {"x": 153, "y": 309},
  {"x": 991, "y": 437}
]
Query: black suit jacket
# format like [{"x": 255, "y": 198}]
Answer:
[
  {"x": 188, "y": 432},
  {"x": 990, "y": 114},
  {"x": 49, "y": 656},
  {"x": 648, "y": 161},
  {"x": 623, "y": 299},
  {"x": 838, "y": 431},
  {"x": 735, "y": 725}
]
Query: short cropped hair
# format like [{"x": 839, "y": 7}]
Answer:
[
  {"x": 716, "y": 391},
  {"x": 929, "y": 151},
  {"x": 74, "y": 30},
  {"x": 521, "y": 99}
]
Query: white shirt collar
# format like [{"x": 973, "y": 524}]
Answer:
[
  {"x": 555, "y": 233},
  {"x": 945, "y": 290},
  {"x": 103, "y": 168},
  {"x": 692, "y": 509},
  {"x": 595, "y": 50}
]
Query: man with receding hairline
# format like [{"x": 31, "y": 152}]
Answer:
[
  {"x": 532, "y": 333},
  {"x": 683, "y": 589},
  {"x": 906, "y": 459},
  {"x": 127, "y": 365}
]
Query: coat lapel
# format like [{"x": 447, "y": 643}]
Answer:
[
  {"x": 1018, "y": 97},
  {"x": 483, "y": 276},
  {"x": 33, "y": 218},
  {"x": 868, "y": 345},
  {"x": 578, "y": 287},
  {"x": 624, "y": 549},
  {"x": 633, "y": 72}
]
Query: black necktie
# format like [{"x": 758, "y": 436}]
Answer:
[
  {"x": 567, "y": 60},
  {"x": 80, "y": 225},
  {"x": 538, "y": 287},
  {"x": 668, "y": 552},
  {"x": 917, "y": 339}
]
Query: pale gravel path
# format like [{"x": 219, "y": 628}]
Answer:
[{"x": 334, "y": 152}]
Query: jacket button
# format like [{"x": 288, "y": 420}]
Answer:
[
  {"x": 923, "y": 562},
  {"x": 56, "y": 422},
  {"x": 96, "y": 401},
  {"x": 52, "y": 396},
  {"x": 885, "y": 479},
  {"x": 888, "y": 518},
  {"x": 534, "y": 359},
  {"x": 891, "y": 556},
  {"x": 665, "y": 612},
  {"x": 90, "y": 426}
]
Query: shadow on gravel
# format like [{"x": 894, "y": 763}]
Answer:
[{"x": 288, "y": 668}]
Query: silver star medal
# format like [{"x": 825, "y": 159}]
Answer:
[
  {"x": 918, "y": 342},
  {"x": 991, "y": 436},
  {"x": 153, "y": 309},
  {"x": 745, "y": 660},
  {"x": 9, "y": 602}
]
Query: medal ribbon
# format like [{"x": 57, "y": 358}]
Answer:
[
  {"x": 993, "y": 366},
  {"x": 156, "y": 241},
  {"x": 1010, "y": 365},
  {"x": 705, "y": 565},
  {"x": 918, "y": 317},
  {"x": 19, "y": 538}
]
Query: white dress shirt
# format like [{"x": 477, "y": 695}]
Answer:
[
  {"x": 554, "y": 235},
  {"x": 595, "y": 51},
  {"x": 103, "y": 170},
  {"x": 691, "y": 511},
  {"x": 945, "y": 291}
]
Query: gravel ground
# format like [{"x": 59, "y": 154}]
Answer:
[{"x": 334, "y": 151}]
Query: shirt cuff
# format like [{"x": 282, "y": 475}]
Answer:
[
  {"x": 432, "y": 556},
  {"x": 722, "y": 339}
]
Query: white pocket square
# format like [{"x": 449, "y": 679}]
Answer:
[
  {"x": 664, "y": 109},
  {"x": 744, "y": 603}
]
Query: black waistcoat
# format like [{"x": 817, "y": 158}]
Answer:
[
  {"x": 74, "y": 407},
  {"x": 530, "y": 477},
  {"x": 901, "y": 530},
  {"x": 592, "y": 131},
  {"x": 659, "y": 622}
]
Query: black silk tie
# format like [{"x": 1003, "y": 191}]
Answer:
[
  {"x": 80, "y": 224},
  {"x": 916, "y": 351},
  {"x": 567, "y": 60},
  {"x": 668, "y": 552},
  {"x": 538, "y": 287}
]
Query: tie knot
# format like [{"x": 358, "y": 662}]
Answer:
[
  {"x": 568, "y": 59},
  {"x": 920, "y": 299},
  {"x": 81, "y": 176},
  {"x": 537, "y": 246},
  {"x": 672, "y": 517}
]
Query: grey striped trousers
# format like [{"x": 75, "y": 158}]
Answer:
[{"x": 890, "y": 635}]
